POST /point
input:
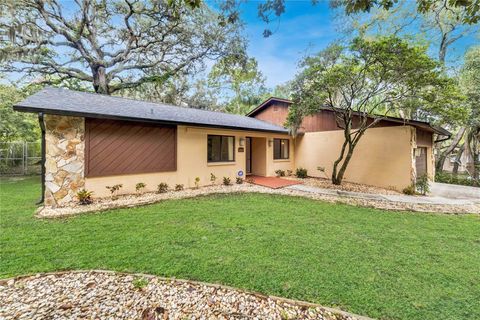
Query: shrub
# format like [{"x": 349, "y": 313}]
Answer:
[
  {"x": 139, "y": 187},
  {"x": 239, "y": 180},
  {"x": 140, "y": 283},
  {"x": 178, "y": 187},
  {"x": 114, "y": 190},
  {"x": 226, "y": 181},
  {"x": 84, "y": 197},
  {"x": 197, "y": 182},
  {"x": 301, "y": 173},
  {"x": 249, "y": 179},
  {"x": 423, "y": 185},
  {"x": 213, "y": 178},
  {"x": 162, "y": 187},
  {"x": 461, "y": 179},
  {"x": 410, "y": 190},
  {"x": 289, "y": 173},
  {"x": 280, "y": 173}
]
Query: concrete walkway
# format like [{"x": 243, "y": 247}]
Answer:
[
  {"x": 454, "y": 191},
  {"x": 435, "y": 200}
]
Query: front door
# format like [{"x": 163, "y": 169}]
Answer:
[{"x": 248, "y": 146}]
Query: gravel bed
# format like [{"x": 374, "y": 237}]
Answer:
[
  {"x": 109, "y": 295},
  {"x": 345, "y": 186},
  {"x": 127, "y": 201}
]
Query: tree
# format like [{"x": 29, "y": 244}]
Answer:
[
  {"x": 362, "y": 84},
  {"x": 114, "y": 45},
  {"x": 242, "y": 82},
  {"x": 16, "y": 126}
]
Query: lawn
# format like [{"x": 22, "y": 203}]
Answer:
[{"x": 381, "y": 264}]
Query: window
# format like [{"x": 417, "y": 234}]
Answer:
[
  {"x": 280, "y": 149},
  {"x": 221, "y": 148}
]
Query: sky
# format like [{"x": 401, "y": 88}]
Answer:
[{"x": 304, "y": 29}]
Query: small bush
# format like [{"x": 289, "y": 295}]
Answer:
[
  {"x": 289, "y": 173},
  {"x": 140, "y": 283},
  {"x": 197, "y": 182},
  {"x": 139, "y": 187},
  {"x": 239, "y": 180},
  {"x": 162, "y": 187},
  {"x": 423, "y": 185},
  {"x": 301, "y": 173},
  {"x": 461, "y": 179},
  {"x": 226, "y": 181},
  {"x": 280, "y": 173},
  {"x": 213, "y": 178},
  {"x": 410, "y": 190},
  {"x": 114, "y": 190},
  {"x": 84, "y": 197},
  {"x": 249, "y": 180},
  {"x": 178, "y": 187}
]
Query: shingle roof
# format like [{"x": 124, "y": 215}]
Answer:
[{"x": 76, "y": 103}]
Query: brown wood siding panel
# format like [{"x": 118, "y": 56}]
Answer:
[
  {"x": 275, "y": 113},
  {"x": 322, "y": 121},
  {"x": 424, "y": 138},
  {"x": 123, "y": 147}
]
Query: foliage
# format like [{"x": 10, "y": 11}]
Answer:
[
  {"x": 239, "y": 180},
  {"x": 362, "y": 84},
  {"x": 114, "y": 190},
  {"x": 423, "y": 185},
  {"x": 140, "y": 283},
  {"x": 197, "y": 182},
  {"x": 156, "y": 239},
  {"x": 139, "y": 187},
  {"x": 178, "y": 187},
  {"x": 410, "y": 190},
  {"x": 112, "y": 45},
  {"x": 301, "y": 173},
  {"x": 16, "y": 126},
  {"x": 289, "y": 173},
  {"x": 84, "y": 197},
  {"x": 162, "y": 187},
  {"x": 226, "y": 181},
  {"x": 242, "y": 77},
  {"x": 213, "y": 178},
  {"x": 460, "y": 179},
  {"x": 280, "y": 173}
]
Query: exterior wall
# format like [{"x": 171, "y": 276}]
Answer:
[
  {"x": 276, "y": 113},
  {"x": 192, "y": 162},
  {"x": 383, "y": 157},
  {"x": 64, "y": 158}
]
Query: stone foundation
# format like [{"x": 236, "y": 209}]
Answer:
[{"x": 64, "y": 163}]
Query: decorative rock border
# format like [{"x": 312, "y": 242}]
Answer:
[
  {"x": 114, "y": 295},
  {"x": 371, "y": 201}
]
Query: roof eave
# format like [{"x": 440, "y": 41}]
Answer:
[{"x": 21, "y": 108}]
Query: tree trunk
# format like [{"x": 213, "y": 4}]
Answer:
[
  {"x": 443, "y": 156},
  {"x": 457, "y": 159},
  {"x": 100, "y": 80},
  {"x": 337, "y": 178},
  {"x": 343, "y": 168}
]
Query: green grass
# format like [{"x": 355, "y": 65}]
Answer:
[{"x": 381, "y": 264}]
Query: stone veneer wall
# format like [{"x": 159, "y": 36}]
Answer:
[{"x": 65, "y": 158}]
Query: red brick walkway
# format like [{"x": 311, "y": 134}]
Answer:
[{"x": 272, "y": 182}]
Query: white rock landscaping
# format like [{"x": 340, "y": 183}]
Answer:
[{"x": 109, "y": 295}]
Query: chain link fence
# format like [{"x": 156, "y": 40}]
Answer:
[{"x": 20, "y": 158}]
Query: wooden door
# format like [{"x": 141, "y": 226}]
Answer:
[{"x": 421, "y": 161}]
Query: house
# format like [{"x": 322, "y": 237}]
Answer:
[{"x": 92, "y": 141}]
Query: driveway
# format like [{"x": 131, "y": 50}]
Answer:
[{"x": 454, "y": 191}]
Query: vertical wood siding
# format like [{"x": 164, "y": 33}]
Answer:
[{"x": 115, "y": 147}]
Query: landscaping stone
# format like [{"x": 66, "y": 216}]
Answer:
[
  {"x": 109, "y": 295},
  {"x": 386, "y": 202}
]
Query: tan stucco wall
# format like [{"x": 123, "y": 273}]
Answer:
[
  {"x": 383, "y": 157},
  {"x": 192, "y": 162}
]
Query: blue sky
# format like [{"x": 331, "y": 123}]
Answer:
[
  {"x": 301, "y": 30},
  {"x": 304, "y": 29}
]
